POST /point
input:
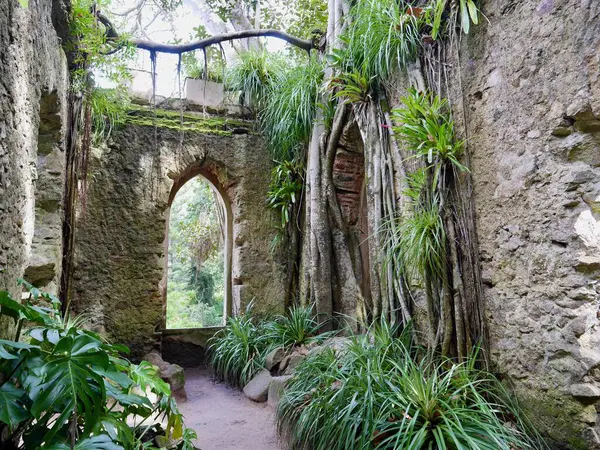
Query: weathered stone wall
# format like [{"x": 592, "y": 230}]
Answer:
[
  {"x": 33, "y": 90},
  {"x": 530, "y": 78},
  {"x": 120, "y": 276}
]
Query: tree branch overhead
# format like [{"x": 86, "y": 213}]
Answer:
[{"x": 179, "y": 49}]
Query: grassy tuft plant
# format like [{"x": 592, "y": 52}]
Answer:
[
  {"x": 421, "y": 241},
  {"x": 284, "y": 96},
  {"x": 254, "y": 74},
  {"x": 290, "y": 109},
  {"x": 238, "y": 351},
  {"x": 379, "y": 393},
  {"x": 384, "y": 35},
  {"x": 109, "y": 109},
  {"x": 298, "y": 327}
]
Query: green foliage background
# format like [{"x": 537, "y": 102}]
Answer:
[{"x": 195, "y": 286}]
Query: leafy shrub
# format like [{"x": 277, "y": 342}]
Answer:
[
  {"x": 64, "y": 387},
  {"x": 379, "y": 393}
]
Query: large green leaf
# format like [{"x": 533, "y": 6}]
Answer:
[
  {"x": 8, "y": 306},
  {"x": 146, "y": 375},
  {"x": 12, "y": 410},
  {"x": 70, "y": 384},
  {"x": 118, "y": 430},
  {"x": 12, "y": 350},
  {"x": 101, "y": 442}
]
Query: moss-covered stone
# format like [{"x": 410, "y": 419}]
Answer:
[
  {"x": 188, "y": 121},
  {"x": 556, "y": 416}
]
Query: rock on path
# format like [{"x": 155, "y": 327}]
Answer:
[{"x": 224, "y": 418}]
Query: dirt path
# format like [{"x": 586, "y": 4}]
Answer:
[{"x": 224, "y": 418}]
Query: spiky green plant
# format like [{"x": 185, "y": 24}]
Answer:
[
  {"x": 290, "y": 109},
  {"x": 380, "y": 393},
  {"x": 384, "y": 35},
  {"x": 238, "y": 351},
  {"x": 426, "y": 126},
  {"x": 297, "y": 327},
  {"x": 254, "y": 74}
]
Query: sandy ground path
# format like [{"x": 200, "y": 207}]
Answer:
[{"x": 224, "y": 418}]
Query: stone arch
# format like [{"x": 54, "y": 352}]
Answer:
[
  {"x": 190, "y": 172},
  {"x": 119, "y": 276}
]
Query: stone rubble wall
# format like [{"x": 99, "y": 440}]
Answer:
[
  {"x": 33, "y": 108},
  {"x": 529, "y": 77},
  {"x": 119, "y": 277}
]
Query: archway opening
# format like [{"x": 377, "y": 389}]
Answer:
[{"x": 196, "y": 272}]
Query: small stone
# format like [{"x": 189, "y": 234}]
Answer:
[
  {"x": 155, "y": 359},
  {"x": 257, "y": 388},
  {"x": 293, "y": 361},
  {"x": 589, "y": 415},
  {"x": 533, "y": 134},
  {"x": 274, "y": 357},
  {"x": 276, "y": 389},
  {"x": 578, "y": 326},
  {"x": 588, "y": 263},
  {"x": 562, "y": 131},
  {"x": 589, "y": 391},
  {"x": 174, "y": 376}
]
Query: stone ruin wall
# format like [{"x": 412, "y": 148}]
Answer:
[
  {"x": 119, "y": 277},
  {"x": 530, "y": 85},
  {"x": 531, "y": 89},
  {"x": 33, "y": 115}
]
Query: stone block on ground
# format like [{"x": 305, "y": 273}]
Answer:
[
  {"x": 274, "y": 357},
  {"x": 276, "y": 389},
  {"x": 155, "y": 359},
  {"x": 174, "y": 376},
  {"x": 257, "y": 388}
]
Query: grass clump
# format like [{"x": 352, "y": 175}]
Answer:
[
  {"x": 284, "y": 96},
  {"x": 238, "y": 351},
  {"x": 298, "y": 327},
  {"x": 380, "y": 393}
]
